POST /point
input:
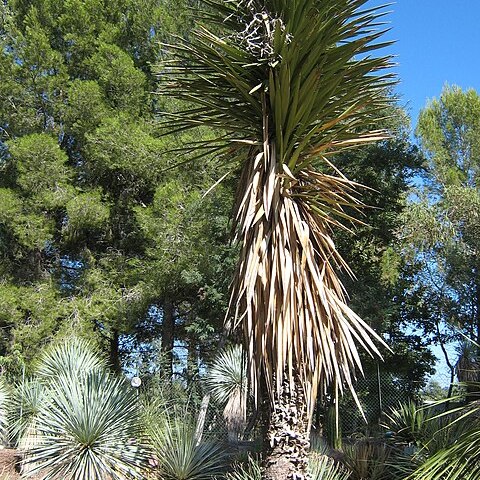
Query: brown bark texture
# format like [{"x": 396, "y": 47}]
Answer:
[
  {"x": 168, "y": 334},
  {"x": 287, "y": 436}
]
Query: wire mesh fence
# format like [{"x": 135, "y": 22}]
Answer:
[{"x": 377, "y": 395}]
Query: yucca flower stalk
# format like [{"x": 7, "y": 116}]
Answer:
[{"x": 287, "y": 84}]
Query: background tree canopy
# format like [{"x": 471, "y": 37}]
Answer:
[
  {"x": 100, "y": 234},
  {"x": 97, "y": 233}
]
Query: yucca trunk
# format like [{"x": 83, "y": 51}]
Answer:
[{"x": 287, "y": 438}]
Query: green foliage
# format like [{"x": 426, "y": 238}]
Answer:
[
  {"x": 458, "y": 461},
  {"x": 80, "y": 161},
  {"x": 250, "y": 470},
  {"x": 124, "y": 153},
  {"x": 124, "y": 84},
  {"x": 74, "y": 419},
  {"x": 179, "y": 455},
  {"x": 85, "y": 109},
  {"x": 448, "y": 128},
  {"x": 40, "y": 164},
  {"x": 86, "y": 212}
]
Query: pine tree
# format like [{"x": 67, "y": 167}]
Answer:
[{"x": 89, "y": 202}]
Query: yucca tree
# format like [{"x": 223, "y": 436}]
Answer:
[{"x": 287, "y": 84}]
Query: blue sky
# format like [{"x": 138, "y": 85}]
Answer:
[{"x": 437, "y": 42}]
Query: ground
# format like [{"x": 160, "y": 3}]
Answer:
[{"x": 8, "y": 458}]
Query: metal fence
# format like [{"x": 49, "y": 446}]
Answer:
[{"x": 377, "y": 395}]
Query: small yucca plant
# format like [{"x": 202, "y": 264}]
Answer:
[
  {"x": 179, "y": 456},
  {"x": 408, "y": 423},
  {"x": 227, "y": 382},
  {"x": 87, "y": 424},
  {"x": 27, "y": 399},
  {"x": 367, "y": 460}
]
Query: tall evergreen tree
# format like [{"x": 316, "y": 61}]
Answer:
[
  {"x": 442, "y": 223},
  {"x": 86, "y": 188}
]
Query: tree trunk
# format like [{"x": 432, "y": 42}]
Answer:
[
  {"x": 168, "y": 334},
  {"x": 202, "y": 415},
  {"x": 114, "y": 353},
  {"x": 287, "y": 436}
]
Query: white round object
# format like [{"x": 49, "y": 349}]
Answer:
[{"x": 136, "y": 382}]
